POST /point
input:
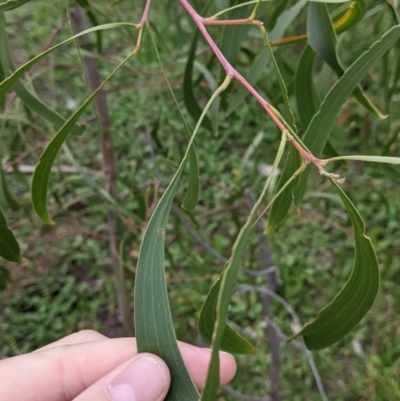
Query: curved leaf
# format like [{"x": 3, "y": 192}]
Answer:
[
  {"x": 28, "y": 98},
  {"x": 321, "y": 125},
  {"x": 322, "y": 38},
  {"x": 153, "y": 323},
  {"x": 193, "y": 189},
  {"x": 41, "y": 176},
  {"x": 11, "y": 4},
  {"x": 353, "y": 15},
  {"x": 93, "y": 20},
  {"x": 231, "y": 340},
  {"x": 355, "y": 299},
  {"x": 188, "y": 95},
  {"x": 9, "y": 247},
  {"x": 14, "y": 205},
  {"x": 12, "y": 79},
  {"x": 227, "y": 283}
]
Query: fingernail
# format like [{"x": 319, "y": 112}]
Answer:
[{"x": 144, "y": 379}]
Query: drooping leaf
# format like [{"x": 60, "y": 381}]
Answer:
[
  {"x": 193, "y": 189},
  {"x": 306, "y": 97},
  {"x": 14, "y": 205},
  {"x": 12, "y": 4},
  {"x": 231, "y": 340},
  {"x": 41, "y": 176},
  {"x": 357, "y": 296},
  {"x": 320, "y": 127},
  {"x": 188, "y": 94},
  {"x": 227, "y": 283},
  {"x": 282, "y": 204},
  {"x": 322, "y": 38},
  {"x": 153, "y": 323},
  {"x": 12, "y": 79},
  {"x": 322, "y": 123},
  {"x": 367, "y": 158},
  {"x": 28, "y": 98},
  {"x": 9, "y": 247},
  {"x": 93, "y": 20}
]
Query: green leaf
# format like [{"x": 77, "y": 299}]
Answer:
[
  {"x": 28, "y": 98},
  {"x": 41, "y": 176},
  {"x": 14, "y": 205},
  {"x": 153, "y": 323},
  {"x": 321, "y": 125},
  {"x": 322, "y": 38},
  {"x": 227, "y": 283},
  {"x": 93, "y": 20},
  {"x": 281, "y": 206},
  {"x": 188, "y": 94},
  {"x": 192, "y": 193},
  {"x": 357, "y": 296},
  {"x": 12, "y": 79},
  {"x": 9, "y": 247},
  {"x": 306, "y": 97},
  {"x": 11, "y": 4},
  {"x": 231, "y": 340},
  {"x": 375, "y": 159},
  {"x": 352, "y": 16}
]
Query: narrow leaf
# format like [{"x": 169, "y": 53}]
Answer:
[
  {"x": 153, "y": 323},
  {"x": 11, "y": 4},
  {"x": 193, "y": 189},
  {"x": 9, "y": 247},
  {"x": 227, "y": 283},
  {"x": 14, "y": 205},
  {"x": 231, "y": 340},
  {"x": 281, "y": 206},
  {"x": 357, "y": 296},
  {"x": 41, "y": 176},
  {"x": 28, "y": 98},
  {"x": 93, "y": 20},
  {"x": 376, "y": 159},
  {"x": 322, "y": 38},
  {"x": 188, "y": 95},
  {"x": 10, "y": 81},
  {"x": 321, "y": 125}
]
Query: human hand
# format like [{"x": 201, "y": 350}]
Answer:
[{"x": 87, "y": 366}]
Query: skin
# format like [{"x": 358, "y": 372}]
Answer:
[{"x": 81, "y": 366}]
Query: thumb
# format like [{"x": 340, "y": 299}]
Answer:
[{"x": 143, "y": 378}]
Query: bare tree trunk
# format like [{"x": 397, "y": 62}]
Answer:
[{"x": 92, "y": 73}]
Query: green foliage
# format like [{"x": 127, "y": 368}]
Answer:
[{"x": 235, "y": 141}]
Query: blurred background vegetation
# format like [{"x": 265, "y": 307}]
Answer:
[{"x": 67, "y": 284}]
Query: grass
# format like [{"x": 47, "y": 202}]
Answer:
[{"x": 67, "y": 283}]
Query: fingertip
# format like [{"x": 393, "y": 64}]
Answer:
[
  {"x": 228, "y": 367},
  {"x": 145, "y": 378}
]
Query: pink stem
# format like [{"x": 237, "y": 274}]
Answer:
[
  {"x": 200, "y": 22},
  {"x": 145, "y": 12}
]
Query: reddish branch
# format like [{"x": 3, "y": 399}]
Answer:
[{"x": 201, "y": 22}]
